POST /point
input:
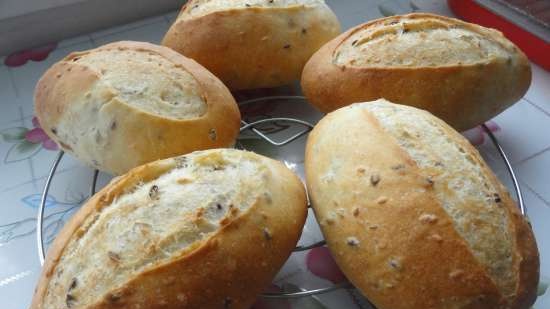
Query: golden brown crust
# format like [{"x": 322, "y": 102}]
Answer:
[
  {"x": 118, "y": 186},
  {"x": 462, "y": 95},
  {"x": 137, "y": 137},
  {"x": 526, "y": 255},
  {"x": 256, "y": 47},
  {"x": 226, "y": 270},
  {"x": 528, "y": 265},
  {"x": 394, "y": 237},
  {"x": 51, "y": 95}
]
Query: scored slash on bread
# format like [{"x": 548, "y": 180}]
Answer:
[
  {"x": 148, "y": 240},
  {"x": 408, "y": 207},
  {"x": 463, "y": 73},
  {"x": 252, "y": 44},
  {"x": 128, "y": 103}
]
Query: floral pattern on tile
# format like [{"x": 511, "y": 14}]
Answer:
[
  {"x": 27, "y": 226},
  {"x": 321, "y": 263},
  {"x": 477, "y": 135},
  {"x": 27, "y": 142},
  {"x": 35, "y": 54}
]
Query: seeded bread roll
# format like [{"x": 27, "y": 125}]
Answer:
[
  {"x": 463, "y": 73},
  {"x": 128, "y": 103},
  {"x": 206, "y": 230},
  {"x": 414, "y": 216},
  {"x": 252, "y": 43}
]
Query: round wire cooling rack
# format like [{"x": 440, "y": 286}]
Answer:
[{"x": 252, "y": 126}]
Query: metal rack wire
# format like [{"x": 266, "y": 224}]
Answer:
[{"x": 252, "y": 126}]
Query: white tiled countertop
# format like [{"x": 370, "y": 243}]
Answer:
[{"x": 523, "y": 131}]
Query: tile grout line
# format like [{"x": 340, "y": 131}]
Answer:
[
  {"x": 10, "y": 72},
  {"x": 13, "y": 122},
  {"x": 21, "y": 118},
  {"x": 531, "y": 156},
  {"x": 544, "y": 201},
  {"x": 92, "y": 40},
  {"x": 33, "y": 176},
  {"x": 538, "y": 107},
  {"x": 29, "y": 160},
  {"x": 9, "y": 123},
  {"x": 129, "y": 29},
  {"x": 73, "y": 44},
  {"x": 89, "y": 35},
  {"x": 60, "y": 171}
]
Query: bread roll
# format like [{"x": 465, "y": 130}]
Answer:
[
  {"x": 127, "y": 103},
  {"x": 414, "y": 216},
  {"x": 252, "y": 43},
  {"x": 463, "y": 73},
  {"x": 206, "y": 230}
]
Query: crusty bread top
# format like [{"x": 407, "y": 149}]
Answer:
[
  {"x": 179, "y": 204},
  {"x": 420, "y": 40},
  {"x": 461, "y": 183},
  {"x": 196, "y": 8},
  {"x": 146, "y": 80}
]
